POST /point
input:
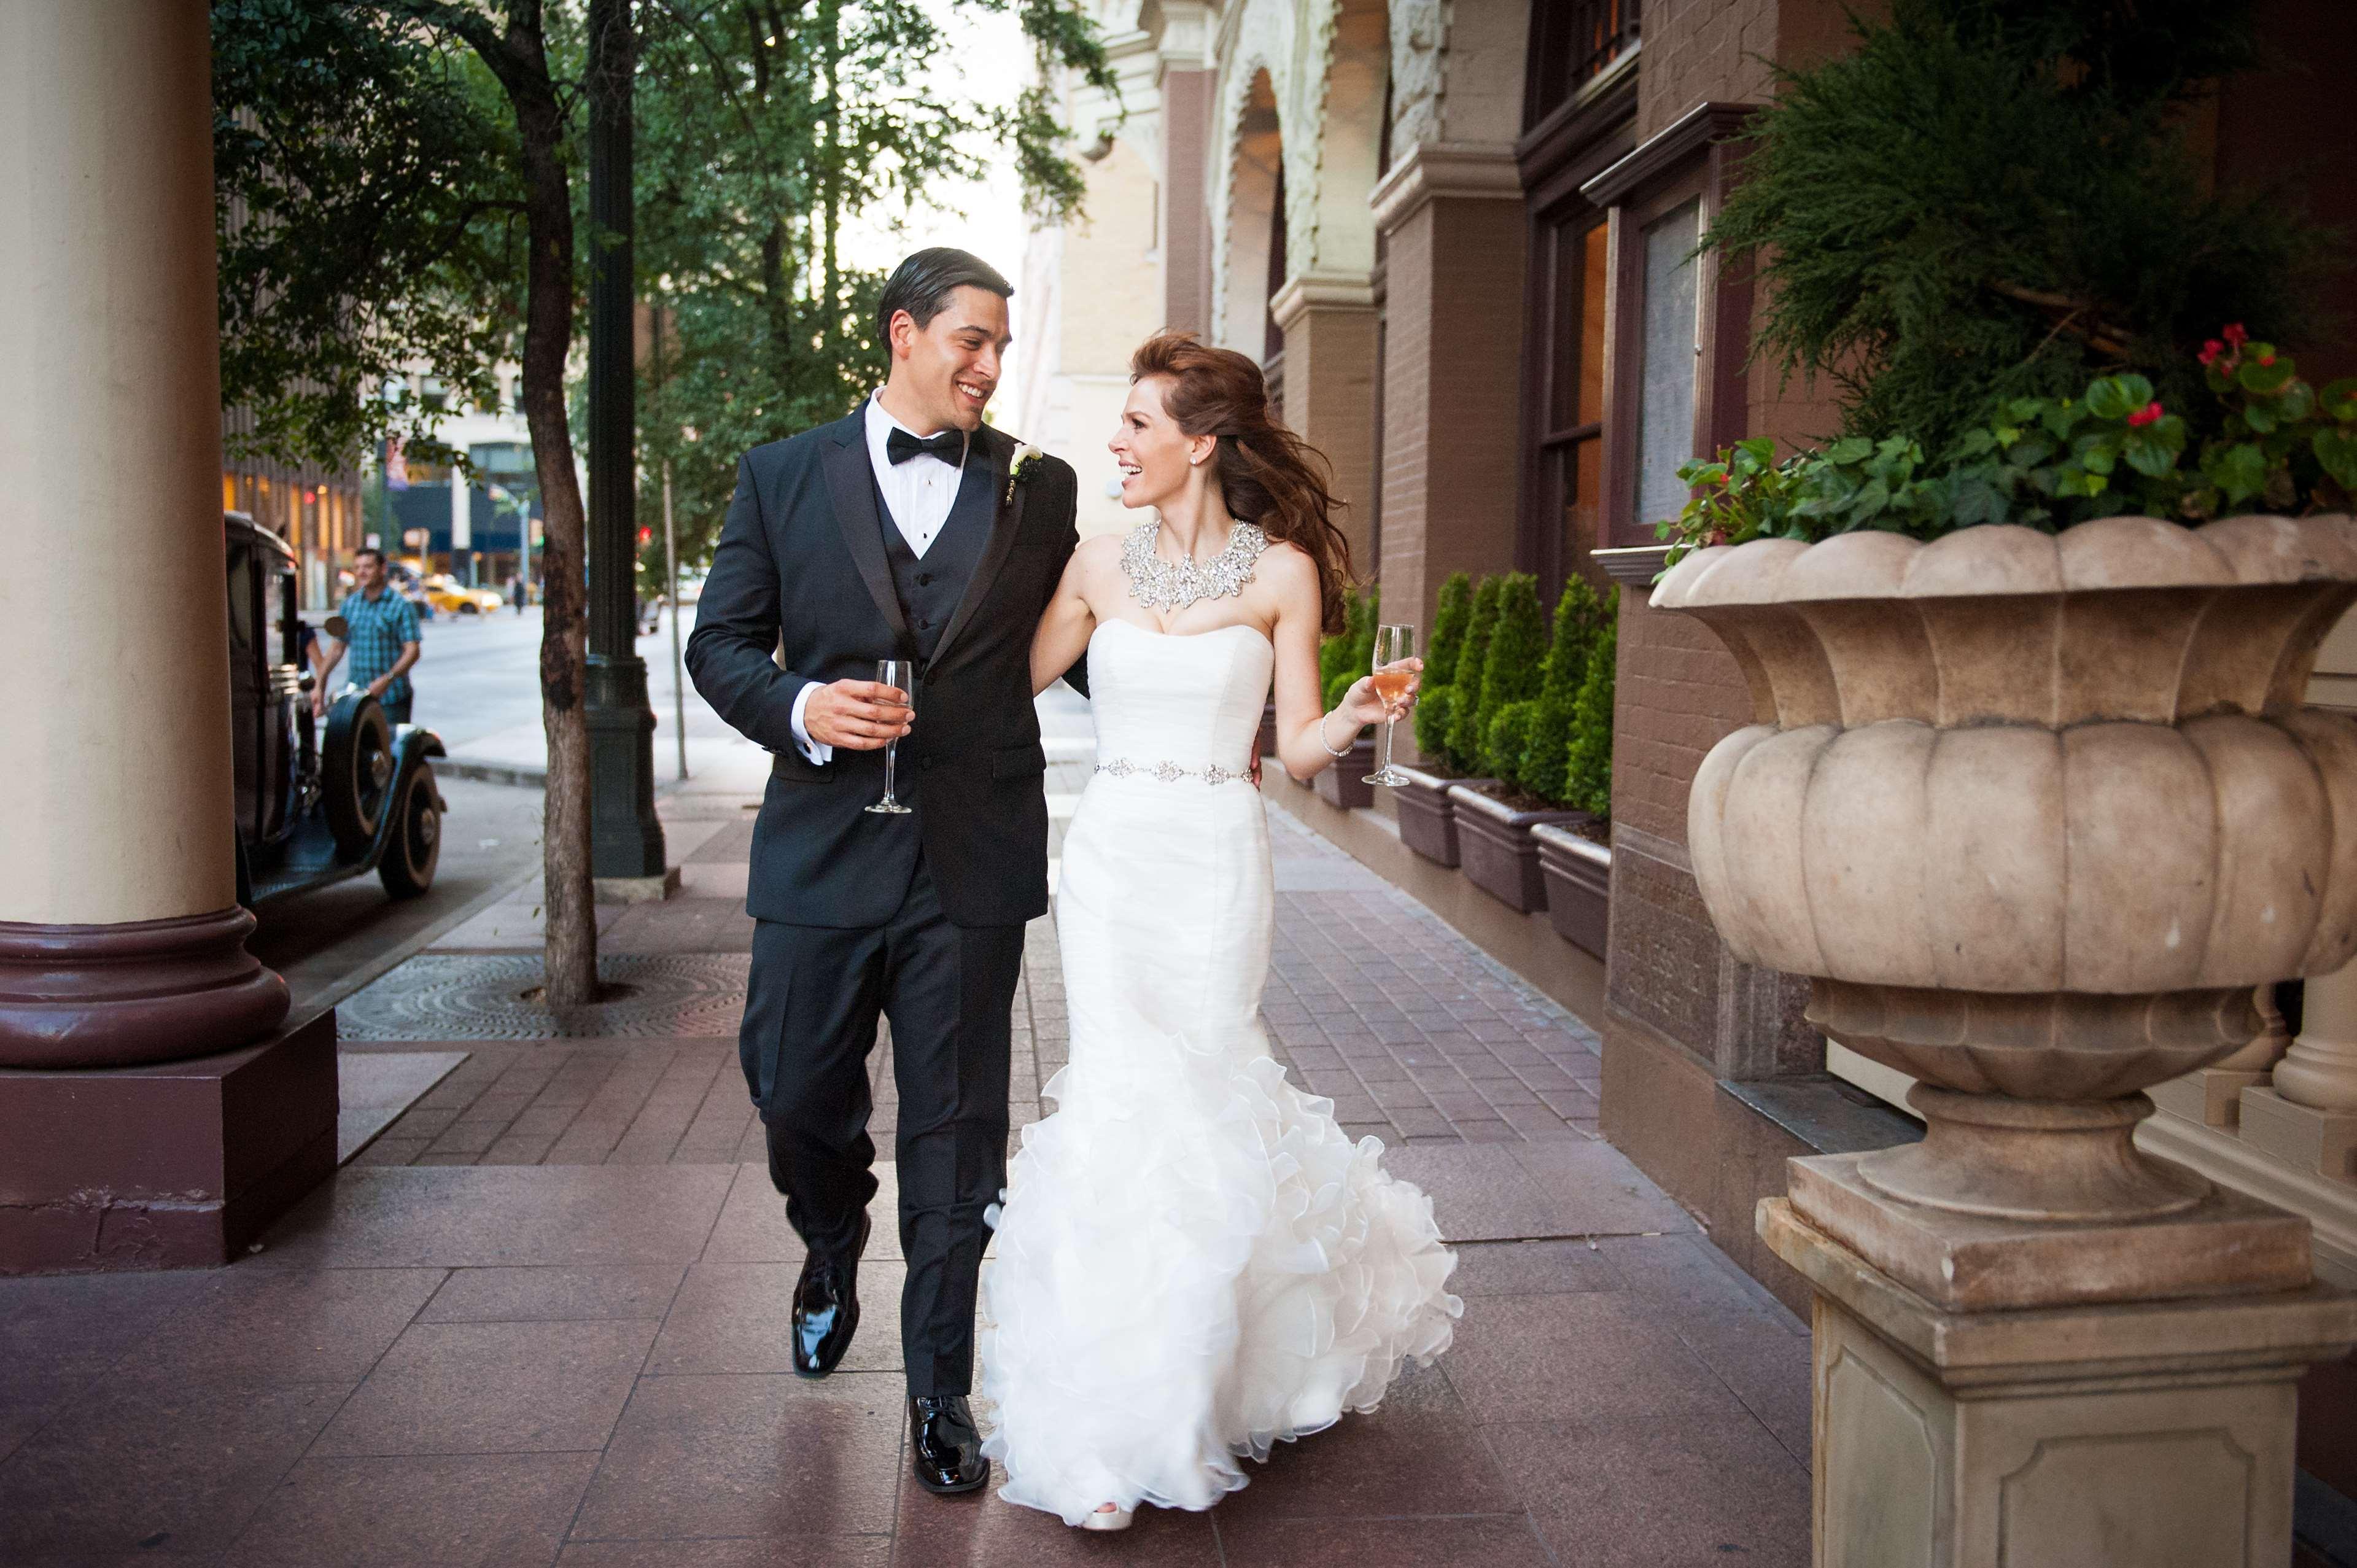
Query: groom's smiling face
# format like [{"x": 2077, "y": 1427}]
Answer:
[{"x": 945, "y": 372}]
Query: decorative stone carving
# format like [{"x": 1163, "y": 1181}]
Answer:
[
  {"x": 2035, "y": 813},
  {"x": 1418, "y": 33}
]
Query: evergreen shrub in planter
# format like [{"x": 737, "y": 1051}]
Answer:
[
  {"x": 1495, "y": 821},
  {"x": 1427, "y": 818},
  {"x": 1342, "y": 660}
]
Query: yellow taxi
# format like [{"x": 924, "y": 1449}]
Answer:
[{"x": 446, "y": 593}]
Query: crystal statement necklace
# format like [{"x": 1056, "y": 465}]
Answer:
[{"x": 1159, "y": 585}]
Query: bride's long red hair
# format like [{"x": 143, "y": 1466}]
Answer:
[{"x": 1268, "y": 476}]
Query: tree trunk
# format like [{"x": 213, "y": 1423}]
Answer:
[{"x": 572, "y": 925}]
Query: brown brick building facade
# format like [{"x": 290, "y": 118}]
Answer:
[{"x": 1465, "y": 297}]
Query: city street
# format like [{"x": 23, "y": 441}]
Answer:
[{"x": 478, "y": 687}]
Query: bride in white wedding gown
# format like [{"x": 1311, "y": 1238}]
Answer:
[{"x": 1193, "y": 1261}]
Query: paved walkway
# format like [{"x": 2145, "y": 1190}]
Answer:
[{"x": 542, "y": 1317}]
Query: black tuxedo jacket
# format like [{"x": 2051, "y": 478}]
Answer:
[{"x": 801, "y": 572}]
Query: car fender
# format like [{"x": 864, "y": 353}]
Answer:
[{"x": 412, "y": 747}]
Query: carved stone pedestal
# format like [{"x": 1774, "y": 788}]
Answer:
[{"x": 2157, "y": 1434}]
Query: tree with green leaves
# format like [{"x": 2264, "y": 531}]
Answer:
[
  {"x": 371, "y": 223},
  {"x": 1993, "y": 200},
  {"x": 444, "y": 135},
  {"x": 762, "y": 126}
]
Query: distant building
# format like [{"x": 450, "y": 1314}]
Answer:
[
  {"x": 475, "y": 530},
  {"x": 316, "y": 510}
]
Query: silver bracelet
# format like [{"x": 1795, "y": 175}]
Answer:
[{"x": 1330, "y": 749}]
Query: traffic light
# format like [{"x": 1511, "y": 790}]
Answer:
[{"x": 646, "y": 536}]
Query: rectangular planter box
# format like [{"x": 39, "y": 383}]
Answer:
[
  {"x": 1427, "y": 818},
  {"x": 1344, "y": 784},
  {"x": 1578, "y": 876},
  {"x": 1500, "y": 855}
]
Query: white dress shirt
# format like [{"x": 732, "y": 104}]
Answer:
[{"x": 918, "y": 496}]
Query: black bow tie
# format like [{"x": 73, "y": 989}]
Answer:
[{"x": 949, "y": 445}]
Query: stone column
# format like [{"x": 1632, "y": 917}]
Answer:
[
  {"x": 1187, "y": 94},
  {"x": 1329, "y": 322},
  {"x": 121, "y": 940},
  {"x": 1451, "y": 216}
]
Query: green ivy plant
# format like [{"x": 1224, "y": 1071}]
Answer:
[{"x": 2281, "y": 445}]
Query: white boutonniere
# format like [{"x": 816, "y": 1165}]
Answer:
[{"x": 1027, "y": 458}]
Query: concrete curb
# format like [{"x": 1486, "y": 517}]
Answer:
[{"x": 517, "y": 774}]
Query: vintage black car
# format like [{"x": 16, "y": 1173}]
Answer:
[{"x": 316, "y": 802}]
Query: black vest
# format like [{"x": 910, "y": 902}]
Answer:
[{"x": 929, "y": 589}]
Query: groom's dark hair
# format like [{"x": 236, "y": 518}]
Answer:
[{"x": 922, "y": 284}]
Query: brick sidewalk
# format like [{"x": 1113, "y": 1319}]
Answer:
[
  {"x": 1373, "y": 1001},
  {"x": 573, "y": 1349}
]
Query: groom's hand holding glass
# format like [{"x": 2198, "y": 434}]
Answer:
[{"x": 859, "y": 715}]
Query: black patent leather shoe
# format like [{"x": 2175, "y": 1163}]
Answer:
[
  {"x": 826, "y": 1307},
  {"x": 948, "y": 1449}
]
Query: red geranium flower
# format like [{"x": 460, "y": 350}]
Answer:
[
  {"x": 2236, "y": 336},
  {"x": 2147, "y": 414}
]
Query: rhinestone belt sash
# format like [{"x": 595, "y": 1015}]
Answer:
[{"x": 1170, "y": 772}]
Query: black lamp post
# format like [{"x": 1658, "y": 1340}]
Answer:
[{"x": 626, "y": 839}]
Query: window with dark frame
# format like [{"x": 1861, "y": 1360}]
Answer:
[{"x": 1571, "y": 447}]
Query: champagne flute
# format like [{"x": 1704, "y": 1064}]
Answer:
[
  {"x": 900, "y": 675},
  {"x": 1392, "y": 644}
]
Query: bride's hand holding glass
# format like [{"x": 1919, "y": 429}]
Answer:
[{"x": 1386, "y": 696}]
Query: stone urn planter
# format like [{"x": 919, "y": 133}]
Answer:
[
  {"x": 1578, "y": 876},
  {"x": 1344, "y": 785},
  {"x": 1427, "y": 817},
  {"x": 1499, "y": 856},
  {"x": 2035, "y": 813}
]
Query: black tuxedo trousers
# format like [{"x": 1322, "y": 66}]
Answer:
[{"x": 915, "y": 919}]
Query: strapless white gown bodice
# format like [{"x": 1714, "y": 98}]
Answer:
[{"x": 1193, "y": 1261}]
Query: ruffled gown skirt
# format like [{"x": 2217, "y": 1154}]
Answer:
[{"x": 1193, "y": 1261}]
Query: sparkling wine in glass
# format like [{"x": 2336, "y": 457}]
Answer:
[
  {"x": 1392, "y": 645},
  {"x": 900, "y": 675}
]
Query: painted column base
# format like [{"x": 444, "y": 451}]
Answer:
[
  {"x": 2159, "y": 1433},
  {"x": 2301, "y": 1135},
  {"x": 2211, "y": 1097},
  {"x": 178, "y": 1164}
]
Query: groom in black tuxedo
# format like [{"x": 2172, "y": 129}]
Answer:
[{"x": 905, "y": 531}]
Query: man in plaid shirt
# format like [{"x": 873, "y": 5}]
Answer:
[{"x": 382, "y": 638}]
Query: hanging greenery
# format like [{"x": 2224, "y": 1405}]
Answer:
[{"x": 1995, "y": 199}]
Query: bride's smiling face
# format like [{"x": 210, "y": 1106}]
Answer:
[{"x": 1155, "y": 455}]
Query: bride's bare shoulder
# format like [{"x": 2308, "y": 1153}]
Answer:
[{"x": 1287, "y": 568}]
